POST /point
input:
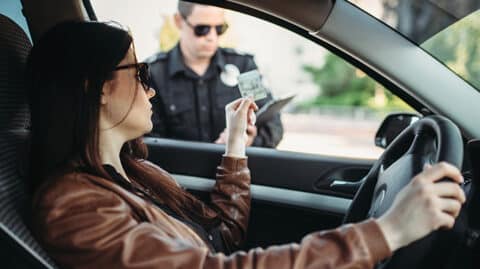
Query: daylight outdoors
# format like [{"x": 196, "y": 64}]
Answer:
[{"x": 338, "y": 108}]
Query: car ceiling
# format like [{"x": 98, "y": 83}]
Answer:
[{"x": 41, "y": 15}]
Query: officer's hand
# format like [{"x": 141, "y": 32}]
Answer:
[
  {"x": 251, "y": 133},
  {"x": 238, "y": 117},
  {"x": 222, "y": 138}
]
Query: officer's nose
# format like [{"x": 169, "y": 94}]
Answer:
[{"x": 212, "y": 34}]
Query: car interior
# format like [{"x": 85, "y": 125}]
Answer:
[{"x": 299, "y": 192}]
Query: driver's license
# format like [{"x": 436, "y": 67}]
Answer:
[{"x": 250, "y": 84}]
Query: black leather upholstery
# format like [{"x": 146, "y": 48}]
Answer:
[{"x": 18, "y": 249}]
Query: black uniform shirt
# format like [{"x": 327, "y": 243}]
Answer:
[{"x": 192, "y": 107}]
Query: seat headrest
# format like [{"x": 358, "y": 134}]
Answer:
[{"x": 14, "y": 49}]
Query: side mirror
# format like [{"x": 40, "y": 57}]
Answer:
[{"x": 392, "y": 126}]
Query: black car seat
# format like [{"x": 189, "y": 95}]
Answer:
[{"x": 18, "y": 248}]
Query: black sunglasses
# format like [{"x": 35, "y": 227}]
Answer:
[
  {"x": 143, "y": 74},
  {"x": 204, "y": 29}
]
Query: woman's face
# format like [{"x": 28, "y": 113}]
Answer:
[{"x": 125, "y": 106}]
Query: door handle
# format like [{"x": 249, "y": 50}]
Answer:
[{"x": 345, "y": 186}]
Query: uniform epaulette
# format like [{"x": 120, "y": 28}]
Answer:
[
  {"x": 236, "y": 52},
  {"x": 156, "y": 57}
]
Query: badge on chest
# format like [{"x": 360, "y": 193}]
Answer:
[{"x": 229, "y": 75}]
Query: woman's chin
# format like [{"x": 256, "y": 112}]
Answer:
[
  {"x": 146, "y": 129},
  {"x": 149, "y": 128}
]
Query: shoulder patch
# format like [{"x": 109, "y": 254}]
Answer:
[{"x": 156, "y": 57}]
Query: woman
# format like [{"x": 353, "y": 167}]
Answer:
[{"x": 99, "y": 204}]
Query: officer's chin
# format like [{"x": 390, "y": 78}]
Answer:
[{"x": 208, "y": 53}]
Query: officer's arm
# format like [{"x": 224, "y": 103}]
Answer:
[{"x": 270, "y": 133}]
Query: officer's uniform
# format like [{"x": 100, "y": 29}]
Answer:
[{"x": 192, "y": 107}]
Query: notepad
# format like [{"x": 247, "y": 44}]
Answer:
[{"x": 270, "y": 109}]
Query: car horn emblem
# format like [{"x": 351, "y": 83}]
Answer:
[{"x": 378, "y": 202}]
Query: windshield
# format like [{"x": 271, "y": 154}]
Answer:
[{"x": 448, "y": 30}]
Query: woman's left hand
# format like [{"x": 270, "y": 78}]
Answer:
[{"x": 239, "y": 115}]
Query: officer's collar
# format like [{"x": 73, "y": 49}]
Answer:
[
  {"x": 218, "y": 59},
  {"x": 175, "y": 61},
  {"x": 176, "y": 64}
]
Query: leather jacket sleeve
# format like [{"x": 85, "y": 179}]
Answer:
[
  {"x": 231, "y": 197},
  {"x": 92, "y": 227}
]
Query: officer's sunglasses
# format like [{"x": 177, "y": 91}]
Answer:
[
  {"x": 203, "y": 29},
  {"x": 143, "y": 74}
]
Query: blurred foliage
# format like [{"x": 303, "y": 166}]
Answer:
[
  {"x": 458, "y": 47},
  {"x": 169, "y": 34},
  {"x": 341, "y": 84}
]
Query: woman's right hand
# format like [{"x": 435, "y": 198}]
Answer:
[
  {"x": 423, "y": 206},
  {"x": 239, "y": 114}
]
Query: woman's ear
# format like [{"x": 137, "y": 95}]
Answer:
[{"x": 105, "y": 93}]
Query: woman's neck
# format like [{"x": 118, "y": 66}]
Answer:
[{"x": 110, "y": 147}]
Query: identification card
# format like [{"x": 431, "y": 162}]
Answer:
[{"x": 250, "y": 84}]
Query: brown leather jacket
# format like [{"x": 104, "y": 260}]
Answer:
[{"x": 85, "y": 221}]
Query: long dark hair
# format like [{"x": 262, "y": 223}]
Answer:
[{"x": 66, "y": 70}]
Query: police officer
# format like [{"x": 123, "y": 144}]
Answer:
[{"x": 196, "y": 79}]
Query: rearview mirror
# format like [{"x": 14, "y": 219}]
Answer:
[{"x": 392, "y": 126}]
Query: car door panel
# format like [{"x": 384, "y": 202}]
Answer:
[
  {"x": 291, "y": 192},
  {"x": 277, "y": 196},
  {"x": 269, "y": 167}
]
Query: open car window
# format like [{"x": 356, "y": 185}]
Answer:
[{"x": 337, "y": 109}]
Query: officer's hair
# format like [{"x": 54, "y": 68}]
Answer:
[{"x": 185, "y": 8}]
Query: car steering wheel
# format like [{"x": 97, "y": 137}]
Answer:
[{"x": 429, "y": 140}]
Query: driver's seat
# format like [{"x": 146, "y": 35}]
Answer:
[{"x": 18, "y": 247}]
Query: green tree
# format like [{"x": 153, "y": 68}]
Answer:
[
  {"x": 169, "y": 34},
  {"x": 341, "y": 84},
  {"x": 458, "y": 47}
]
